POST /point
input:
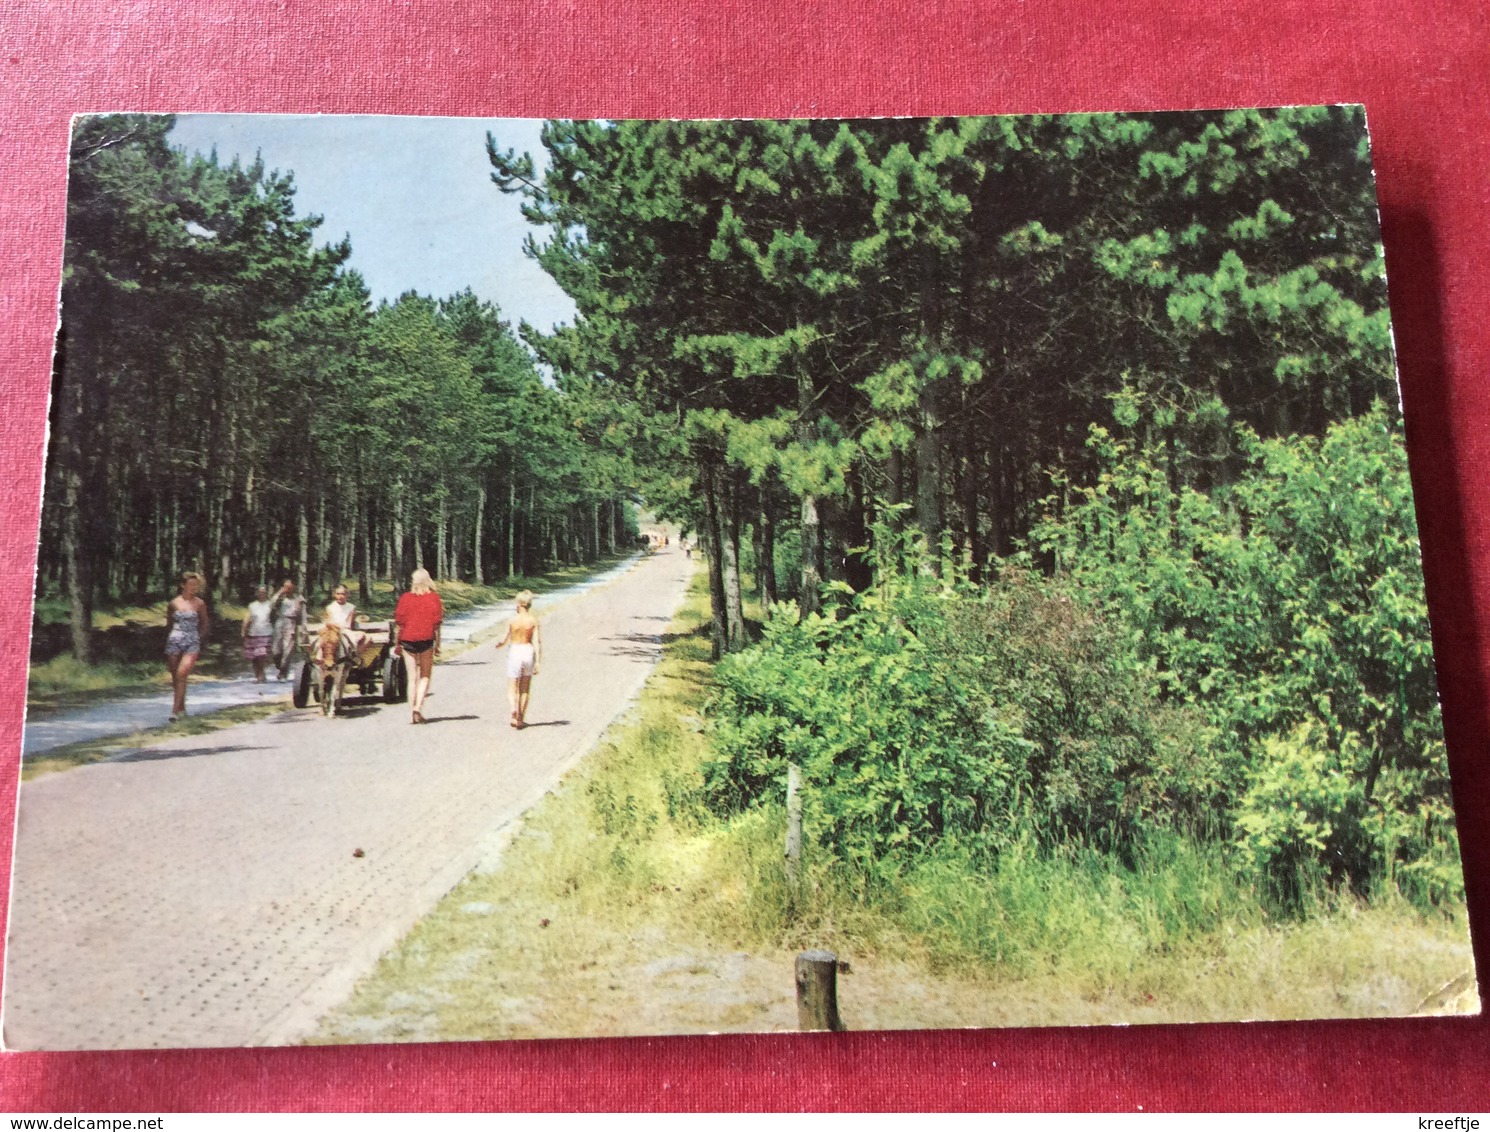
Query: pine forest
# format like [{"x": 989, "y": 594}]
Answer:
[{"x": 1048, "y": 471}]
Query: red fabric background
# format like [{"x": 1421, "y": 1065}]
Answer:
[{"x": 1423, "y": 72}]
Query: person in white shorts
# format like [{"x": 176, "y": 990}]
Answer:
[{"x": 524, "y": 644}]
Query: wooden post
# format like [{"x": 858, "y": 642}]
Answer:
[
  {"x": 817, "y": 991},
  {"x": 793, "y": 822}
]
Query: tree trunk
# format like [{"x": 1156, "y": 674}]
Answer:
[
  {"x": 765, "y": 559},
  {"x": 729, "y": 562},
  {"x": 364, "y": 540},
  {"x": 929, "y": 404},
  {"x": 175, "y": 571},
  {"x": 346, "y": 541},
  {"x": 396, "y": 567},
  {"x": 971, "y": 533},
  {"x": 718, "y": 602},
  {"x": 511, "y": 530},
  {"x": 249, "y": 540},
  {"x": 75, "y": 571},
  {"x": 853, "y": 532},
  {"x": 928, "y": 469},
  {"x": 323, "y": 541},
  {"x": 201, "y": 538},
  {"x": 809, "y": 597},
  {"x": 221, "y": 556},
  {"x": 476, "y": 569},
  {"x": 302, "y": 562},
  {"x": 70, "y": 456},
  {"x": 158, "y": 522}
]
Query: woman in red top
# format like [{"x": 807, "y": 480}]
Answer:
[{"x": 417, "y": 635}]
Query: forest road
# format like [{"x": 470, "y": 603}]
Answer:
[{"x": 208, "y": 890}]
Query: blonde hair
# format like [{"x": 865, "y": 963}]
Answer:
[
  {"x": 420, "y": 582},
  {"x": 525, "y": 599},
  {"x": 190, "y": 575}
]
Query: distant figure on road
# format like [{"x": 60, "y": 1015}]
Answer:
[
  {"x": 186, "y": 626},
  {"x": 416, "y": 636},
  {"x": 524, "y": 653},
  {"x": 258, "y": 631},
  {"x": 289, "y": 619}
]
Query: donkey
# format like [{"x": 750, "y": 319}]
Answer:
[{"x": 332, "y": 654}]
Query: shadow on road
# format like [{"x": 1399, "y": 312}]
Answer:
[
  {"x": 150, "y": 754},
  {"x": 648, "y": 646},
  {"x": 642, "y": 646},
  {"x": 448, "y": 718},
  {"x": 546, "y": 723},
  {"x": 355, "y": 709}
]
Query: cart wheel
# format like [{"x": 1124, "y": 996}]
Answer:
[
  {"x": 301, "y": 695},
  {"x": 395, "y": 680}
]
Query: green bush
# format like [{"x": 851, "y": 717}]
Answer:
[
  {"x": 1287, "y": 607},
  {"x": 925, "y": 713},
  {"x": 1250, "y": 663}
]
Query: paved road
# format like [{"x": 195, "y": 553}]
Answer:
[
  {"x": 205, "y": 891},
  {"x": 127, "y": 714}
]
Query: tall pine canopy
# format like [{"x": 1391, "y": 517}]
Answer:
[
  {"x": 800, "y": 323},
  {"x": 229, "y": 400}
]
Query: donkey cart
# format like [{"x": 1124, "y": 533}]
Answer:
[{"x": 332, "y": 662}]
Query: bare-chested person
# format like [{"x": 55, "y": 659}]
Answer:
[{"x": 524, "y": 652}]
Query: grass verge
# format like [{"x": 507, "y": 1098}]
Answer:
[{"x": 624, "y": 907}]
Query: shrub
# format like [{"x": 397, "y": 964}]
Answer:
[
  {"x": 926, "y": 713},
  {"x": 1287, "y": 607}
]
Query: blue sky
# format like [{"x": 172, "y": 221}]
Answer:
[{"x": 414, "y": 194}]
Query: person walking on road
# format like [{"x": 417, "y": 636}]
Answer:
[
  {"x": 258, "y": 631},
  {"x": 289, "y": 619},
  {"x": 416, "y": 636},
  {"x": 524, "y": 652},
  {"x": 187, "y": 625}
]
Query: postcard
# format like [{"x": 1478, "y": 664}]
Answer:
[{"x": 509, "y": 579}]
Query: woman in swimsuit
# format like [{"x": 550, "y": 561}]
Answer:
[
  {"x": 416, "y": 636},
  {"x": 186, "y": 625},
  {"x": 523, "y": 656}
]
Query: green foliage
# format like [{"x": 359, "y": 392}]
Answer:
[
  {"x": 1297, "y": 800},
  {"x": 822, "y": 312},
  {"x": 1251, "y": 664},
  {"x": 230, "y": 400},
  {"x": 1287, "y": 608},
  {"x": 924, "y": 713}
]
